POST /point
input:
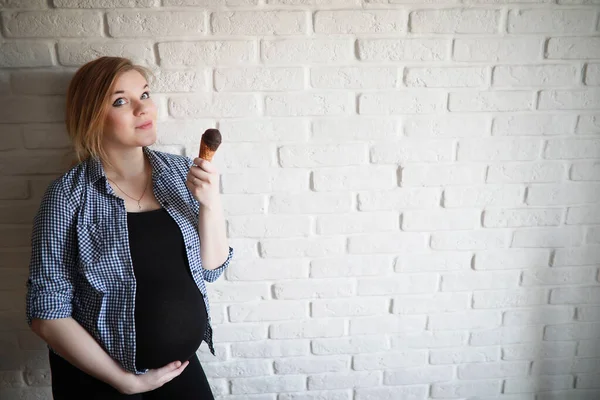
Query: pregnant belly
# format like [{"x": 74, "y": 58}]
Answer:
[{"x": 168, "y": 328}]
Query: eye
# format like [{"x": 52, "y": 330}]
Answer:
[
  {"x": 119, "y": 102},
  {"x": 147, "y": 94}
]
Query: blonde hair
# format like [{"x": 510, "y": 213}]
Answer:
[{"x": 88, "y": 96}]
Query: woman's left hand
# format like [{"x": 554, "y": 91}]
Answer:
[{"x": 203, "y": 182}]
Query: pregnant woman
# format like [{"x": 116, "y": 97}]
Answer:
[{"x": 122, "y": 245}]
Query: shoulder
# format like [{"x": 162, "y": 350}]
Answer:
[
  {"x": 181, "y": 164},
  {"x": 68, "y": 187}
]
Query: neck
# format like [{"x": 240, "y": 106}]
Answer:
[{"x": 126, "y": 165}]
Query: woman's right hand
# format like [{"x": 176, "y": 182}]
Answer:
[{"x": 153, "y": 379}]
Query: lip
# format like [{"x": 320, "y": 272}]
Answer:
[{"x": 146, "y": 125}]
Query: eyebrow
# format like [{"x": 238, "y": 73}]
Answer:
[{"x": 122, "y": 91}]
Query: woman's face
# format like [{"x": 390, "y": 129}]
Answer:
[{"x": 131, "y": 118}]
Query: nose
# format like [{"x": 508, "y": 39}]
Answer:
[{"x": 140, "y": 108}]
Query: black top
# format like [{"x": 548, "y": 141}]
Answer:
[{"x": 170, "y": 314}]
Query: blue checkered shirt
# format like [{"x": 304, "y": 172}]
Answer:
[{"x": 81, "y": 266}]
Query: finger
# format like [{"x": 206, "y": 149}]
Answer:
[
  {"x": 202, "y": 175},
  {"x": 204, "y": 165},
  {"x": 173, "y": 374}
]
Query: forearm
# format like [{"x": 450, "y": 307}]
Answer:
[
  {"x": 77, "y": 346},
  {"x": 214, "y": 247}
]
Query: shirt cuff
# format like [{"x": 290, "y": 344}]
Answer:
[{"x": 211, "y": 275}]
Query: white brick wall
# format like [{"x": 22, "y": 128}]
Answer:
[{"x": 412, "y": 187}]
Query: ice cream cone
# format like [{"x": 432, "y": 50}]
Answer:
[{"x": 211, "y": 139}]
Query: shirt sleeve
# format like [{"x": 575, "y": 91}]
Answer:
[
  {"x": 211, "y": 275},
  {"x": 53, "y": 239}
]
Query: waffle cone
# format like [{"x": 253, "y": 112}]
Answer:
[{"x": 205, "y": 152}]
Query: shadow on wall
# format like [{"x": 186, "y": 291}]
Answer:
[{"x": 34, "y": 150}]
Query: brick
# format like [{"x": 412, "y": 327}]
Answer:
[
  {"x": 313, "y": 288},
  {"x": 425, "y": 303},
  {"x": 306, "y": 51},
  {"x": 405, "y": 283},
  {"x": 414, "y": 261},
  {"x": 567, "y": 193},
  {"x": 206, "y": 53},
  {"x": 40, "y": 82},
  {"x": 316, "y": 395},
  {"x": 583, "y": 215},
  {"x": 391, "y": 393},
  {"x": 464, "y": 355},
  {"x": 309, "y": 247},
  {"x": 268, "y": 226},
  {"x": 311, "y": 365},
  {"x": 266, "y": 131},
  {"x": 267, "y": 311},
  {"x": 588, "y": 124},
  {"x": 510, "y": 298},
  {"x": 14, "y": 258},
  {"x": 442, "y": 175},
  {"x": 490, "y": 101},
  {"x": 354, "y": 178},
  {"x": 312, "y": 155},
  {"x": 578, "y": 331},
  {"x": 548, "y": 237},
  {"x": 412, "y": 150},
  {"x": 362, "y": 222},
  {"x": 354, "y": 77},
  {"x": 479, "y": 280},
  {"x": 433, "y": 220},
  {"x": 592, "y": 75},
  {"x": 368, "y": 265},
  {"x": 53, "y": 163},
  {"x": 217, "y": 104},
  {"x": 540, "y": 75},
  {"x": 584, "y": 381},
  {"x": 240, "y": 292},
  {"x": 11, "y": 137},
  {"x": 573, "y": 48},
  {"x": 246, "y": 204},
  {"x": 532, "y": 125},
  {"x": 390, "y": 360},
  {"x": 310, "y": 203},
  {"x": 349, "y": 345},
  {"x": 454, "y": 21},
  {"x": 46, "y": 136},
  {"x": 359, "y": 21},
  {"x": 26, "y": 54},
  {"x": 240, "y": 332},
  {"x": 464, "y": 320},
  {"x": 258, "y": 22},
  {"x": 447, "y": 126},
  {"x": 576, "y": 295},
  {"x": 401, "y": 102},
  {"x": 18, "y": 213},
  {"x": 260, "y": 270},
  {"x": 270, "y": 384},
  {"x": 569, "y": 99},
  {"x": 550, "y": 21},
  {"x": 588, "y": 313},
  {"x": 538, "y": 316},
  {"x": 557, "y": 276},
  {"x": 381, "y": 50},
  {"x": 341, "y": 130},
  {"x": 535, "y": 172},
  {"x": 511, "y": 218},
  {"x": 521, "y": 50},
  {"x": 315, "y": 328},
  {"x": 445, "y": 77},
  {"x": 237, "y": 368},
  {"x": 538, "y": 351},
  {"x": 402, "y": 198},
  {"x": 74, "y": 53},
  {"x": 155, "y": 23},
  {"x": 593, "y": 235},
  {"x": 498, "y": 149},
  {"x": 210, "y": 3},
  {"x": 258, "y": 79},
  {"x": 30, "y": 4},
  {"x": 28, "y": 109},
  {"x": 396, "y": 324},
  {"x": 270, "y": 349},
  {"x": 429, "y": 340},
  {"x": 302, "y": 3},
  {"x": 349, "y": 307},
  {"x": 11, "y": 379},
  {"x": 308, "y": 104},
  {"x": 466, "y": 389},
  {"x": 471, "y": 240},
  {"x": 345, "y": 380},
  {"x": 50, "y": 23},
  {"x": 104, "y": 3},
  {"x": 4, "y": 82},
  {"x": 585, "y": 171},
  {"x": 511, "y": 259},
  {"x": 483, "y": 196},
  {"x": 506, "y": 335},
  {"x": 572, "y": 149},
  {"x": 539, "y": 384},
  {"x": 386, "y": 243}
]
